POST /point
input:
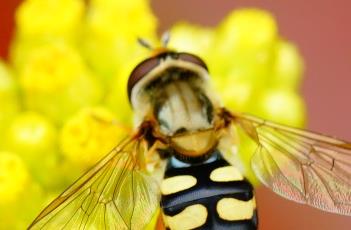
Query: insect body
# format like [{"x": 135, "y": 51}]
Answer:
[
  {"x": 185, "y": 113},
  {"x": 182, "y": 121}
]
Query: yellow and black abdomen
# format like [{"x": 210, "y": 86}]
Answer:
[{"x": 210, "y": 195}]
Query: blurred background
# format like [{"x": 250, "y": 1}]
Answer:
[{"x": 300, "y": 75}]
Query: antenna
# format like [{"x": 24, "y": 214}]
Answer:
[
  {"x": 165, "y": 38},
  {"x": 145, "y": 44}
]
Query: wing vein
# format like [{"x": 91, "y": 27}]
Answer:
[{"x": 302, "y": 166}]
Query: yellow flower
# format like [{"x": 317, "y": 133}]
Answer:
[
  {"x": 57, "y": 83},
  {"x": 236, "y": 95},
  {"x": 49, "y": 17},
  {"x": 243, "y": 46},
  {"x": 39, "y": 22},
  {"x": 288, "y": 66},
  {"x": 118, "y": 18},
  {"x": 117, "y": 98},
  {"x": 13, "y": 177},
  {"x": 247, "y": 28},
  {"x": 19, "y": 212},
  {"x": 9, "y": 103},
  {"x": 89, "y": 135},
  {"x": 111, "y": 33},
  {"x": 7, "y": 82},
  {"x": 51, "y": 68},
  {"x": 283, "y": 106},
  {"x": 198, "y": 43},
  {"x": 32, "y": 136}
]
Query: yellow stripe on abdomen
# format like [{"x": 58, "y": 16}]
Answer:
[
  {"x": 232, "y": 209},
  {"x": 226, "y": 174},
  {"x": 177, "y": 183},
  {"x": 191, "y": 217}
]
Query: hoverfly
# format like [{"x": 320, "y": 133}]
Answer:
[{"x": 184, "y": 133}]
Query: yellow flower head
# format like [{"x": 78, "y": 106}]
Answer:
[
  {"x": 288, "y": 66},
  {"x": 119, "y": 18},
  {"x": 31, "y": 135},
  {"x": 7, "y": 82},
  {"x": 49, "y": 17},
  {"x": 111, "y": 31},
  {"x": 273, "y": 100},
  {"x": 9, "y": 103},
  {"x": 89, "y": 135},
  {"x": 57, "y": 82},
  {"x": 51, "y": 67},
  {"x": 198, "y": 43},
  {"x": 243, "y": 45},
  {"x": 13, "y": 176},
  {"x": 248, "y": 28}
]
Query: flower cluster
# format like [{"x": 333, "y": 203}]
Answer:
[{"x": 63, "y": 101}]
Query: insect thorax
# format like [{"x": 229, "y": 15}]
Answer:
[
  {"x": 184, "y": 111},
  {"x": 179, "y": 103}
]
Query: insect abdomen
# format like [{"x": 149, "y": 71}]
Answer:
[{"x": 212, "y": 195}]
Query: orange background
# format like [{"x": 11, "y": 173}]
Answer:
[{"x": 322, "y": 30}]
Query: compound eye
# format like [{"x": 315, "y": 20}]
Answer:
[
  {"x": 140, "y": 71},
  {"x": 193, "y": 59}
]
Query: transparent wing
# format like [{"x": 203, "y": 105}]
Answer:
[
  {"x": 114, "y": 194},
  {"x": 299, "y": 165}
]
